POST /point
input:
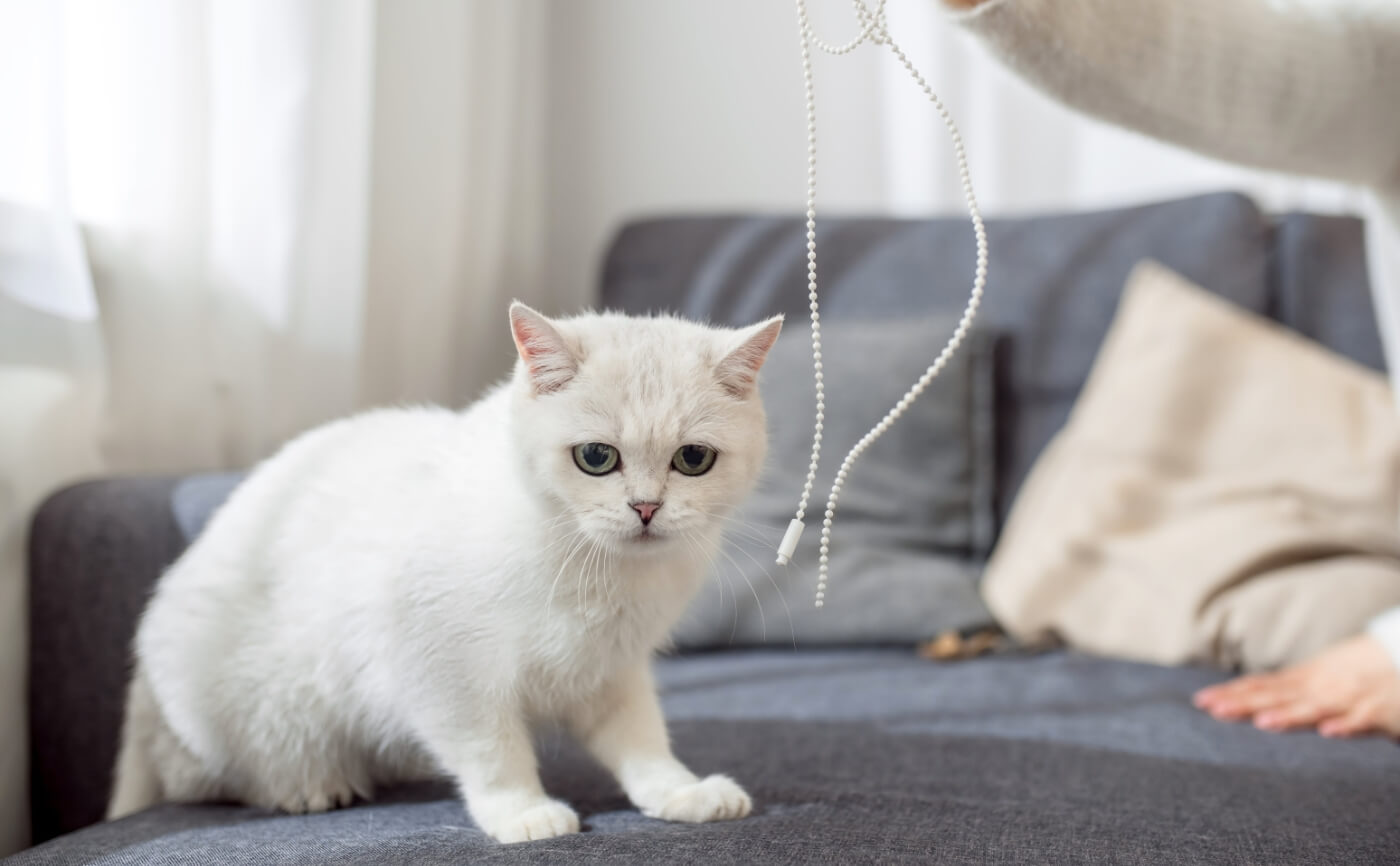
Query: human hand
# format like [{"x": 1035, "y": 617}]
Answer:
[{"x": 1350, "y": 689}]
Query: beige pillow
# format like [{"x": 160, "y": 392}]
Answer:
[{"x": 1225, "y": 492}]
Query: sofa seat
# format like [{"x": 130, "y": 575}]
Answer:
[{"x": 878, "y": 756}]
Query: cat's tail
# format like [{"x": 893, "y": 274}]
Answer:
[{"x": 137, "y": 784}]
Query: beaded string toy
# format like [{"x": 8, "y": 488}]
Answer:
[{"x": 873, "y": 29}]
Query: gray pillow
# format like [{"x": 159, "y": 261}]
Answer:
[{"x": 916, "y": 517}]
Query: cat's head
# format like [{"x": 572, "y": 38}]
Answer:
[{"x": 647, "y": 432}]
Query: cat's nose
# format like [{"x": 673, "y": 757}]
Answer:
[{"x": 645, "y": 510}]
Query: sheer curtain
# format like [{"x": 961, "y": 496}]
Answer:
[{"x": 223, "y": 221}]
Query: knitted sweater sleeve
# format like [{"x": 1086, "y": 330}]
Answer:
[{"x": 1303, "y": 86}]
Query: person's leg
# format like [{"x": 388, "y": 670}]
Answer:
[{"x": 1351, "y": 689}]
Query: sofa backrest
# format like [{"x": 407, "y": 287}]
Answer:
[{"x": 1053, "y": 286}]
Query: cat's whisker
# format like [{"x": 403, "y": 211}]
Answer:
[
  {"x": 729, "y": 517},
  {"x": 722, "y": 581},
  {"x": 579, "y": 540},
  {"x": 560, "y": 542},
  {"x": 732, "y": 517},
  {"x": 603, "y": 577},
  {"x": 753, "y": 537},
  {"x": 590, "y": 577},
  {"x": 611, "y": 576},
  {"x": 758, "y": 533},
  {"x": 581, "y": 585},
  {"x": 552, "y": 528},
  {"x": 739, "y": 535},
  {"x": 768, "y": 573},
  {"x": 552, "y": 525},
  {"x": 575, "y": 544},
  {"x": 758, "y": 530},
  {"x": 762, "y": 620},
  {"x": 753, "y": 533},
  {"x": 613, "y": 581},
  {"x": 592, "y": 574}
]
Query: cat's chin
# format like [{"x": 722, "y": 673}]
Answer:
[{"x": 647, "y": 541}]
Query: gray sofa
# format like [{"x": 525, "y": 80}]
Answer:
[{"x": 853, "y": 753}]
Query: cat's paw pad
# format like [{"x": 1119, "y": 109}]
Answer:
[
  {"x": 714, "y": 798},
  {"x": 543, "y": 821},
  {"x": 331, "y": 795}
]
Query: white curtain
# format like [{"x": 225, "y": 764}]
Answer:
[{"x": 223, "y": 221}]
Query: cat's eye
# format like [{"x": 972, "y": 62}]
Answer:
[
  {"x": 595, "y": 458},
  {"x": 693, "y": 459}
]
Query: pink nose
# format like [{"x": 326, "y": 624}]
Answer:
[{"x": 645, "y": 510}]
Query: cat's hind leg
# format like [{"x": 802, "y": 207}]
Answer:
[
  {"x": 153, "y": 765},
  {"x": 136, "y": 784},
  {"x": 299, "y": 765},
  {"x": 321, "y": 797},
  {"x": 321, "y": 791}
]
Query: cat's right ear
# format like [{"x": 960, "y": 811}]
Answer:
[
  {"x": 548, "y": 360},
  {"x": 738, "y": 370}
]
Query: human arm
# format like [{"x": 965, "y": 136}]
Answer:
[{"x": 1292, "y": 85}]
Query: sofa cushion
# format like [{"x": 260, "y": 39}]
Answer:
[
  {"x": 1224, "y": 493},
  {"x": 914, "y": 523}
]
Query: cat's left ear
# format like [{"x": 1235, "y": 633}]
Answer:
[
  {"x": 549, "y": 361},
  {"x": 738, "y": 370}
]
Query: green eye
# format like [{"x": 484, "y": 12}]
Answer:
[
  {"x": 595, "y": 458},
  {"x": 693, "y": 459}
]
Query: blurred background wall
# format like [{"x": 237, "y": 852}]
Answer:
[{"x": 224, "y": 221}]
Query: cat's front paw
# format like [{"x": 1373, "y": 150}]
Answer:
[
  {"x": 544, "y": 820},
  {"x": 714, "y": 798}
]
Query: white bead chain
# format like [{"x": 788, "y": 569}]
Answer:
[{"x": 874, "y": 30}]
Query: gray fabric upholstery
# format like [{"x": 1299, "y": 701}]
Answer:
[
  {"x": 94, "y": 552},
  {"x": 1318, "y": 272},
  {"x": 852, "y": 755},
  {"x": 1053, "y": 284},
  {"x": 194, "y": 499},
  {"x": 910, "y": 536},
  {"x": 876, "y": 756}
]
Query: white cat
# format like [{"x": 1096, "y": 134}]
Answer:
[{"x": 408, "y": 592}]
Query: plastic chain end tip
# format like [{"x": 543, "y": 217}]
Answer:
[{"x": 790, "y": 539}]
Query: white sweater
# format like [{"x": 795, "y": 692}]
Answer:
[{"x": 1304, "y": 86}]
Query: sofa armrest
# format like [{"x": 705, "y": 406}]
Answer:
[{"x": 95, "y": 550}]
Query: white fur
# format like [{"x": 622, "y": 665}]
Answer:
[{"x": 408, "y": 592}]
